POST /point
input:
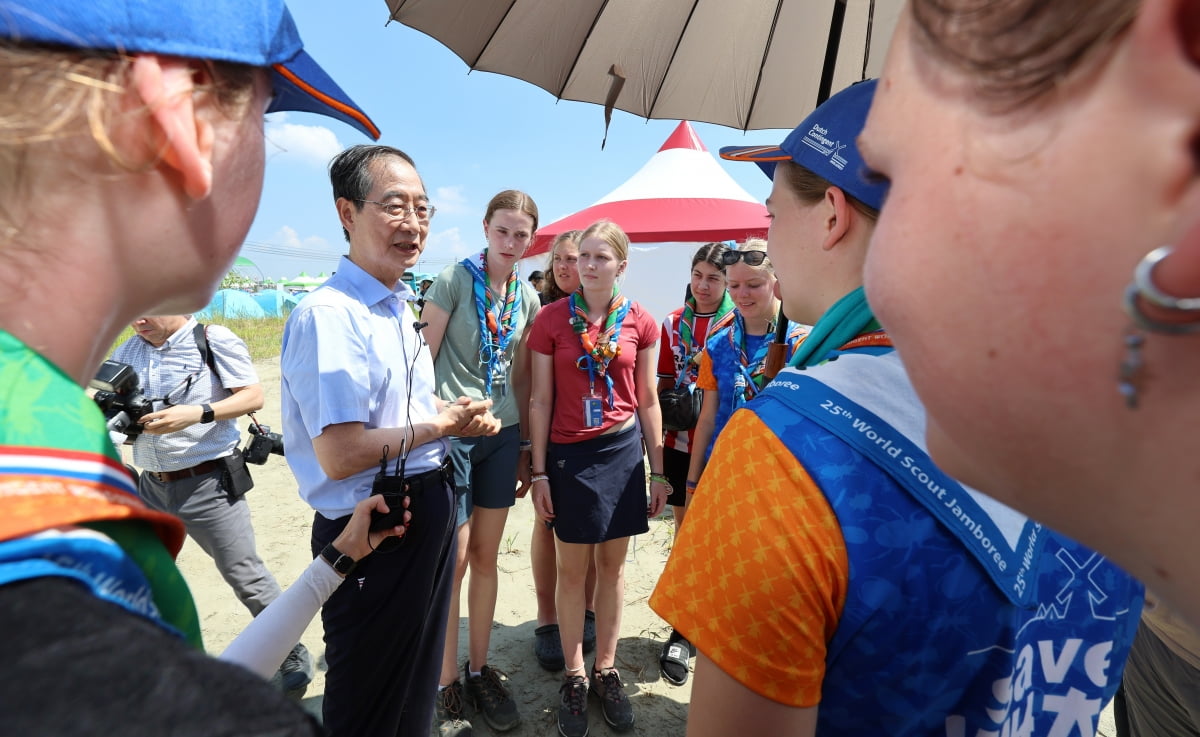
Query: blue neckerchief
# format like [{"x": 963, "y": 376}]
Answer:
[
  {"x": 492, "y": 347},
  {"x": 746, "y": 381},
  {"x": 587, "y": 361},
  {"x": 841, "y": 323}
]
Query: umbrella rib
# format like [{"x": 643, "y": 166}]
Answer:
[
  {"x": 867, "y": 42},
  {"x": 762, "y": 64},
  {"x": 495, "y": 30},
  {"x": 566, "y": 80},
  {"x": 674, "y": 53},
  {"x": 836, "y": 22}
]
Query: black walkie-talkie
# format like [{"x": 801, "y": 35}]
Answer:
[{"x": 394, "y": 492}]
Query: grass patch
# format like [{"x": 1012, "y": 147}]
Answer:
[{"x": 263, "y": 336}]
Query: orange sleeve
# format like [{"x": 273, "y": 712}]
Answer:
[
  {"x": 757, "y": 578},
  {"x": 706, "y": 380}
]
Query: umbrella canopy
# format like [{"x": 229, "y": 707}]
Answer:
[
  {"x": 680, "y": 195},
  {"x": 751, "y": 64}
]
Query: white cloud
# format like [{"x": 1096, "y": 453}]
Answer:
[
  {"x": 287, "y": 236},
  {"x": 446, "y": 247},
  {"x": 310, "y": 144},
  {"x": 450, "y": 201}
]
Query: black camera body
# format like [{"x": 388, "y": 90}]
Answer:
[
  {"x": 262, "y": 443},
  {"x": 120, "y": 398}
]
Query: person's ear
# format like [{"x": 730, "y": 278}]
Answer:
[
  {"x": 165, "y": 85},
  {"x": 347, "y": 211},
  {"x": 1163, "y": 64},
  {"x": 836, "y": 217}
]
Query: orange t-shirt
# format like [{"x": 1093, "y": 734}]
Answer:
[{"x": 758, "y": 576}]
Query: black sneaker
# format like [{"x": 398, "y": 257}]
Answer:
[
  {"x": 618, "y": 712},
  {"x": 492, "y": 698},
  {"x": 449, "y": 708},
  {"x": 572, "y": 707},
  {"x": 297, "y": 671}
]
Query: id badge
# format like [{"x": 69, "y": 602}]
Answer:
[
  {"x": 593, "y": 411},
  {"x": 500, "y": 376}
]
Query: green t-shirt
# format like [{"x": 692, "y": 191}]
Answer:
[{"x": 458, "y": 371}]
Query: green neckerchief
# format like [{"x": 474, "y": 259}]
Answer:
[
  {"x": 846, "y": 319},
  {"x": 171, "y": 593}
]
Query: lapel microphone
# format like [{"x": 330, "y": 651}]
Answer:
[{"x": 419, "y": 325}]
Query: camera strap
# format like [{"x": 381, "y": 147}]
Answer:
[{"x": 200, "y": 334}]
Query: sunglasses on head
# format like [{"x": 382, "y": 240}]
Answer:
[{"x": 752, "y": 258}]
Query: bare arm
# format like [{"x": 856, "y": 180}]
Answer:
[
  {"x": 243, "y": 401},
  {"x": 700, "y": 436},
  {"x": 435, "y": 330},
  {"x": 650, "y": 417},
  {"x": 347, "y": 448},
  {"x": 722, "y": 706},
  {"x": 541, "y": 405},
  {"x": 521, "y": 386}
]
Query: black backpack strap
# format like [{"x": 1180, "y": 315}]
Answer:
[{"x": 200, "y": 334}]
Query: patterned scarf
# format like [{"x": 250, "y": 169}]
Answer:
[
  {"x": 687, "y": 337},
  {"x": 596, "y": 356},
  {"x": 494, "y": 333}
]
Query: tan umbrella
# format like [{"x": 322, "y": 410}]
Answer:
[{"x": 747, "y": 64}]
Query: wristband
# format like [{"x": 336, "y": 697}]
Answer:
[
  {"x": 658, "y": 478},
  {"x": 526, "y": 445},
  {"x": 539, "y": 477},
  {"x": 691, "y": 485}
]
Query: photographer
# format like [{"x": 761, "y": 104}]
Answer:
[{"x": 187, "y": 450}]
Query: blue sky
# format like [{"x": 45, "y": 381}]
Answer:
[{"x": 472, "y": 135}]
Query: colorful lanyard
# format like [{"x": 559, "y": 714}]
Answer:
[
  {"x": 751, "y": 376},
  {"x": 596, "y": 356},
  {"x": 494, "y": 334},
  {"x": 686, "y": 330}
]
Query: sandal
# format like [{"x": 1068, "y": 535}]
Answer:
[
  {"x": 673, "y": 661},
  {"x": 547, "y": 646}
]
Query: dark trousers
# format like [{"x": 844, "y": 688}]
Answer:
[{"x": 386, "y": 624}]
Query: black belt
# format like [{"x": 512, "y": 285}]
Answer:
[
  {"x": 186, "y": 473},
  {"x": 435, "y": 480}
]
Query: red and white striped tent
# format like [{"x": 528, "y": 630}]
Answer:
[{"x": 680, "y": 199}]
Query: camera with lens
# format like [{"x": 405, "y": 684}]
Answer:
[
  {"x": 262, "y": 443},
  {"x": 119, "y": 396}
]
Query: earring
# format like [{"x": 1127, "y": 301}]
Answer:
[
  {"x": 1129, "y": 379},
  {"x": 1143, "y": 289}
]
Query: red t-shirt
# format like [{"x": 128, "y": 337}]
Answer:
[{"x": 552, "y": 335}]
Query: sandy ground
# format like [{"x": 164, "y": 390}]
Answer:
[{"x": 282, "y": 523}]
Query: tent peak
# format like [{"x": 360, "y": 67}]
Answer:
[{"x": 684, "y": 137}]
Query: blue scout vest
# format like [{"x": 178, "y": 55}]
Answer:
[{"x": 963, "y": 618}]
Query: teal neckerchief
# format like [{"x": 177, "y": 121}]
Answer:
[{"x": 841, "y": 323}]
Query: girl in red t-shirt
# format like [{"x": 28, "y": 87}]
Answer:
[{"x": 593, "y": 357}]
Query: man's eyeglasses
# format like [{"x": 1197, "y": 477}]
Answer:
[
  {"x": 400, "y": 211},
  {"x": 752, "y": 258}
]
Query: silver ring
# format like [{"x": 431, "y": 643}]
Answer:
[{"x": 1143, "y": 279}]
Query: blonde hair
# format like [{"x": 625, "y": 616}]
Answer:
[
  {"x": 52, "y": 95},
  {"x": 512, "y": 199},
  {"x": 610, "y": 233}
]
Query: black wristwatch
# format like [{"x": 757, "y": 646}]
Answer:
[
  {"x": 206, "y": 414},
  {"x": 341, "y": 562}
]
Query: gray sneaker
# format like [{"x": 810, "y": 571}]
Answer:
[
  {"x": 491, "y": 697},
  {"x": 296, "y": 672},
  {"x": 449, "y": 718}
]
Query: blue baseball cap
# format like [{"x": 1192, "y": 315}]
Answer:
[
  {"x": 825, "y": 145},
  {"x": 258, "y": 33}
]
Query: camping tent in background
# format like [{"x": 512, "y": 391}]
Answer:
[
  {"x": 681, "y": 198},
  {"x": 276, "y": 302},
  {"x": 230, "y": 303},
  {"x": 304, "y": 281}
]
